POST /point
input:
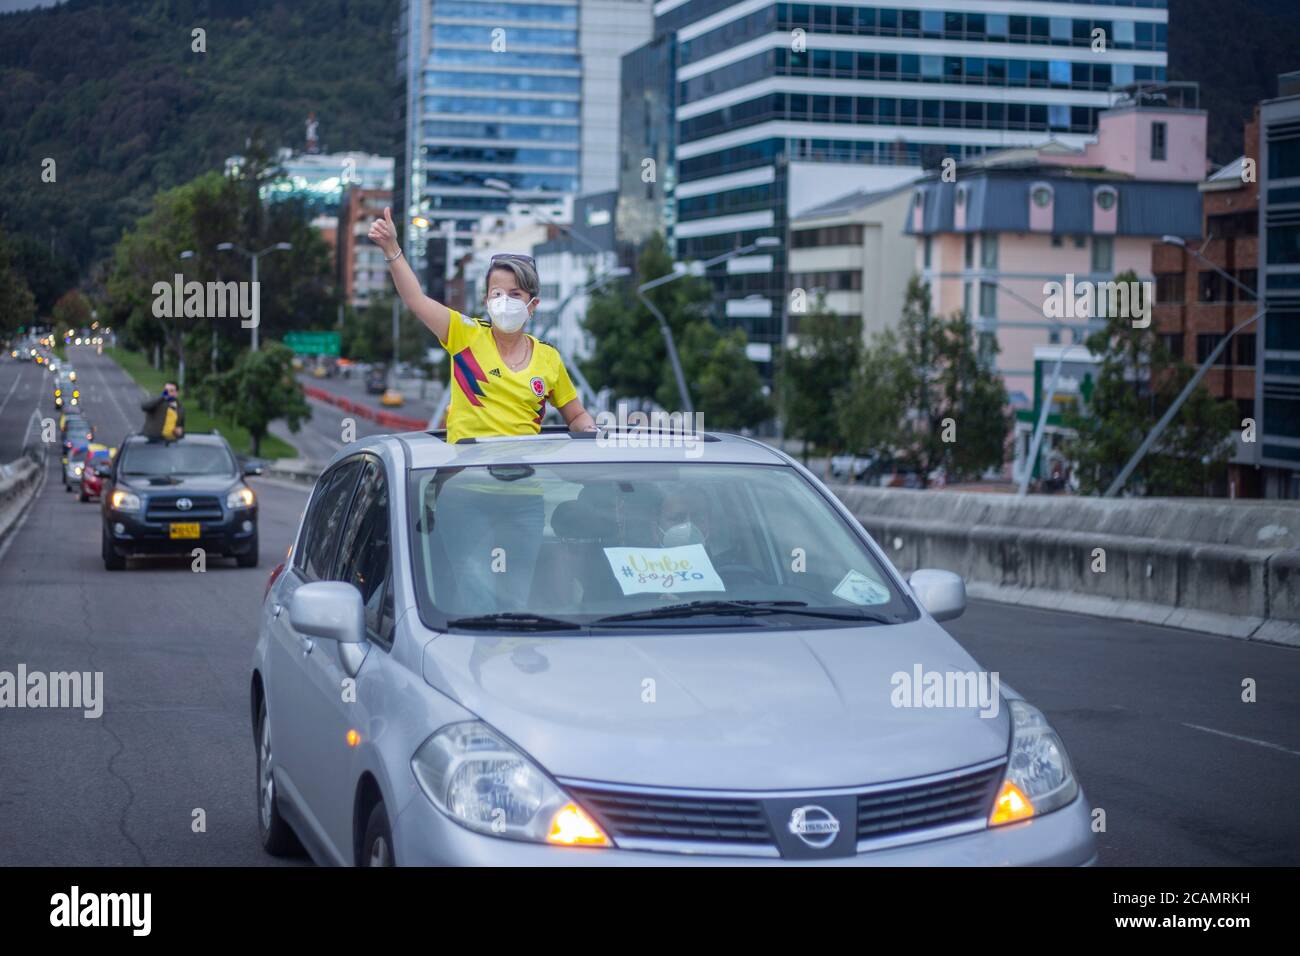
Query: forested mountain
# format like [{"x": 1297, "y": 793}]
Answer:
[{"x": 113, "y": 92}]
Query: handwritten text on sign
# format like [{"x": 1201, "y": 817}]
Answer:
[{"x": 642, "y": 570}]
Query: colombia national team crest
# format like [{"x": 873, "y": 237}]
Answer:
[{"x": 538, "y": 386}]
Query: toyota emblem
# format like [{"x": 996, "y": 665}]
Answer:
[{"x": 184, "y": 504}]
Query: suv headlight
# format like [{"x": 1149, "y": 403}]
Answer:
[
  {"x": 124, "y": 501},
  {"x": 476, "y": 777},
  {"x": 241, "y": 497},
  {"x": 1038, "y": 778}
]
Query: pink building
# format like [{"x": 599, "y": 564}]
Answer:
[{"x": 1011, "y": 222}]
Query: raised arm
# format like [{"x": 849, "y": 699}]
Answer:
[{"x": 432, "y": 313}]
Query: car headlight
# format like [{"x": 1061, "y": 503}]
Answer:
[
  {"x": 77, "y": 471},
  {"x": 125, "y": 501},
  {"x": 476, "y": 777},
  {"x": 1038, "y": 777},
  {"x": 241, "y": 497}
]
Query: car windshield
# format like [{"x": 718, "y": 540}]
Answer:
[
  {"x": 558, "y": 546},
  {"x": 178, "y": 459}
]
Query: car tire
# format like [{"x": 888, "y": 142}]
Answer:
[
  {"x": 278, "y": 838},
  {"x": 249, "y": 558},
  {"x": 113, "y": 559},
  {"x": 377, "y": 844}
]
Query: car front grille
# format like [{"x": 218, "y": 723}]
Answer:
[
  {"x": 888, "y": 813},
  {"x": 891, "y": 815},
  {"x": 205, "y": 508},
  {"x": 642, "y": 816}
]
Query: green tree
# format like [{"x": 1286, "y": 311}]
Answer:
[
  {"x": 48, "y": 274},
  {"x": 870, "y": 412},
  {"x": 955, "y": 400},
  {"x": 815, "y": 372},
  {"x": 725, "y": 386},
  {"x": 630, "y": 356},
  {"x": 72, "y": 311},
  {"x": 368, "y": 334},
  {"x": 17, "y": 304},
  {"x": 259, "y": 389},
  {"x": 1137, "y": 382}
]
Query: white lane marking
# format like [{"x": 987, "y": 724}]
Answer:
[
  {"x": 1249, "y": 740},
  {"x": 17, "y": 377}
]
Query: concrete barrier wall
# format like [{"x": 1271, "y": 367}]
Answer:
[
  {"x": 18, "y": 481},
  {"x": 1224, "y": 559}
]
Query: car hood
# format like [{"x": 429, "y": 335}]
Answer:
[
  {"x": 748, "y": 709},
  {"x": 195, "y": 484}
]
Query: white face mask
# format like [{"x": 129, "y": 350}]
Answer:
[
  {"x": 508, "y": 314},
  {"x": 680, "y": 534}
]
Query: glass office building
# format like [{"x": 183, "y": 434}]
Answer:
[
  {"x": 495, "y": 90},
  {"x": 764, "y": 87}
]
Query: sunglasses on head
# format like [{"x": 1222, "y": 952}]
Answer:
[{"x": 516, "y": 256}]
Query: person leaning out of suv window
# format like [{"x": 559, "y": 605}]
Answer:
[
  {"x": 164, "y": 417},
  {"x": 502, "y": 377}
]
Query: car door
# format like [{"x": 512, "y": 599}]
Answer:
[
  {"x": 334, "y": 705},
  {"x": 289, "y": 686}
]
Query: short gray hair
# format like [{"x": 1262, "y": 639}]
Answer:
[{"x": 525, "y": 274}]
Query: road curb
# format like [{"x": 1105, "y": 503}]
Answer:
[{"x": 1262, "y": 630}]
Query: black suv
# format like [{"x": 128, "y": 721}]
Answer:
[{"x": 168, "y": 497}]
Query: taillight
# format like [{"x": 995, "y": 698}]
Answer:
[{"x": 270, "y": 582}]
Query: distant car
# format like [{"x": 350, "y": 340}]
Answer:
[
  {"x": 74, "y": 465},
  {"x": 376, "y": 382},
  {"x": 391, "y": 398},
  {"x": 169, "y": 497},
  {"x": 74, "y": 430},
  {"x": 844, "y": 466},
  {"x": 94, "y": 474}
]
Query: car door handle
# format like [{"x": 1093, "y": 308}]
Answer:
[{"x": 306, "y": 643}]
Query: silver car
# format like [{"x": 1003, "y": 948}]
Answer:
[{"x": 601, "y": 649}]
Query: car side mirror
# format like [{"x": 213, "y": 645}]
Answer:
[
  {"x": 330, "y": 610},
  {"x": 942, "y": 593}
]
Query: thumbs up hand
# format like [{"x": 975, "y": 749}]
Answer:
[{"x": 384, "y": 234}]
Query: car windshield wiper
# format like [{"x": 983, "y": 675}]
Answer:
[
  {"x": 514, "y": 621},
  {"x": 745, "y": 608}
]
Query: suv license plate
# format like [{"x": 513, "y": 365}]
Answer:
[{"x": 185, "y": 529}]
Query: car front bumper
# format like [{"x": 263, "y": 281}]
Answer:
[
  {"x": 424, "y": 836},
  {"x": 138, "y": 536}
]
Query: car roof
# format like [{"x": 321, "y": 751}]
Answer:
[
  {"x": 190, "y": 438},
  {"x": 557, "y": 445}
]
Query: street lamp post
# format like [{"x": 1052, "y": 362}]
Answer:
[
  {"x": 762, "y": 242},
  {"x": 180, "y": 351},
  {"x": 257, "y": 295},
  {"x": 1127, "y": 471}
]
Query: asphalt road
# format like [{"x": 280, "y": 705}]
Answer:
[{"x": 1185, "y": 772}]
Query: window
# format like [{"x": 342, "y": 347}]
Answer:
[
  {"x": 1211, "y": 287},
  {"x": 1173, "y": 343},
  {"x": 970, "y": 249},
  {"x": 989, "y": 251},
  {"x": 1042, "y": 196},
  {"x": 1284, "y": 159},
  {"x": 1106, "y": 198},
  {"x": 364, "y": 551},
  {"x": 965, "y": 300},
  {"x": 1103, "y": 254},
  {"x": 1169, "y": 288},
  {"x": 988, "y": 300},
  {"x": 1245, "y": 348},
  {"x": 324, "y": 520},
  {"x": 1158, "y": 134},
  {"x": 1207, "y": 343},
  {"x": 1057, "y": 242},
  {"x": 1059, "y": 72},
  {"x": 1080, "y": 242},
  {"x": 1283, "y": 245},
  {"x": 928, "y": 251}
]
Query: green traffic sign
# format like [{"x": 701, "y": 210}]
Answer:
[{"x": 313, "y": 343}]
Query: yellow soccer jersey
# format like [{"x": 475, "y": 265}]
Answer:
[{"x": 487, "y": 398}]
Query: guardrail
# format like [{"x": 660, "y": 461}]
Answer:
[
  {"x": 20, "y": 478},
  {"x": 401, "y": 422},
  {"x": 1230, "y": 568}
]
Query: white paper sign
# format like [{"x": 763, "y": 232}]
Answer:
[
  {"x": 649, "y": 570},
  {"x": 860, "y": 589}
]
